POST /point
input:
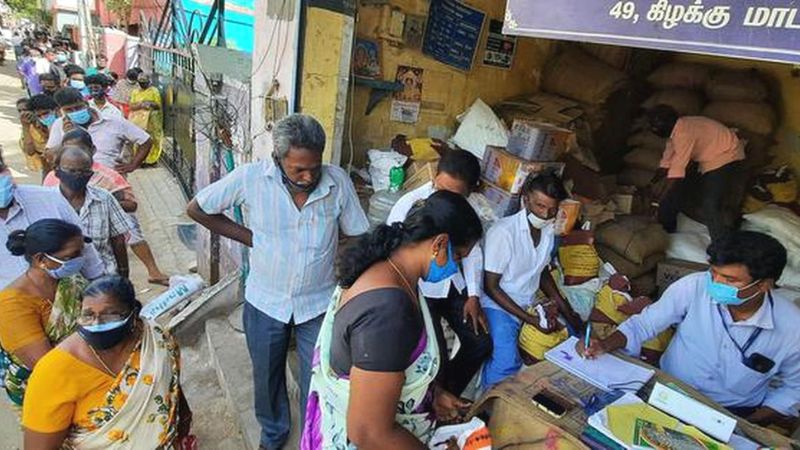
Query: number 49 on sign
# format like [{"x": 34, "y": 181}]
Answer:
[{"x": 625, "y": 11}]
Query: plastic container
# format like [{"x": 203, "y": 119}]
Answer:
[{"x": 380, "y": 205}]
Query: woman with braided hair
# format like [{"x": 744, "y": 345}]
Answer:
[{"x": 377, "y": 358}]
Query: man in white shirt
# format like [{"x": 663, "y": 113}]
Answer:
[
  {"x": 737, "y": 339},
  {"x": 109, "y": 134},
  {"x": 518, "y": 250},
  {"x": 459, "y": 171},
  {"x": 20, "y": 206},
  {"x": 297, "y": 209}
]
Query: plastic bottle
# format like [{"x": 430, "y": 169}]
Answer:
[{"x": 381, "y": 202}]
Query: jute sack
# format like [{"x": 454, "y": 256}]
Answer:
[
  {"x": 680, "y": 75},
  {"x": 756, "y": 117},
  {"x": 644, "y": 158},
  {"x": 630, "y": 269},
  {"x": 686, "y": 102},
  {"x": 633, "y": 237},
  {"x": 737, "y": 86},
  {"x": 647, "y": 139},
  {"x": 580, "y": 76}
]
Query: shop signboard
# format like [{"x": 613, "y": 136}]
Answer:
[{"x": 755, "y": 29}]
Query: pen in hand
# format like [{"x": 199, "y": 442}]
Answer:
[{"x": 587, "y": 338}]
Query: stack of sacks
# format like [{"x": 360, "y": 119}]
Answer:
[
  {"x": 738, "y": 98},
  {"x": 634, "y": 245},
  {"x": 594, "y": 84}
]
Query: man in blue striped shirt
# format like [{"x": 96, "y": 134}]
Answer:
[{"x": 297, "y": 208}]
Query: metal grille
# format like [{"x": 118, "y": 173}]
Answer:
[{"x": 174, "y": 70}]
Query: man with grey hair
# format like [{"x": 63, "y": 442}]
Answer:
[{"x": 297, "y": 208}]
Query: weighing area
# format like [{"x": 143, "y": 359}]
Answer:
[{"x": 573, "y": 88}]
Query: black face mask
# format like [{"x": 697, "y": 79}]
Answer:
[
  {"x": 294, "y": 187},
  {"x": 103, "y": 340},
  {"x": 144, "y": 85},
  {"x": 75, "y": 182}
]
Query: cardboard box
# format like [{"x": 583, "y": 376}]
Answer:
[
  {"x": 508, "y": 172},
  {"x": 538, "y": 141},
  {"x": 502, "y": 203},
  {"x": 672, "y": 270},
  {"x": 419, "y": 173}
]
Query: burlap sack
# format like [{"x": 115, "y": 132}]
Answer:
[
  {"x": 631, "y": 176},
  {"x": 580, "y": 76},
  {"x": 644, "y": 158},
  {"x": 737, "y": 86},
  {"x": 680, "y": 75},
  {"x": 756, "y": 117},
  {"x": 686, "y": 102},
  {"x": 647, "y": 139},
  {"x": 615, "y": 56},
  {"x": 633, "y": 237},
  {"x": 630, "y": 269}
]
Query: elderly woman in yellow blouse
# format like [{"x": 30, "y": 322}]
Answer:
[{"x": 112, "y": 384}]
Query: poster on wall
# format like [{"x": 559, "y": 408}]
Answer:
[
  {"x": 413, "y": 32},
  {"x": 499, "y": 51},
  {"x": 452, "y": 33},
  {"x": 366, "y": 59},
  {"x": 407, "y": 102}
]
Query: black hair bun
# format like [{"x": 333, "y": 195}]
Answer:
[{"x": 16, "y": 242}]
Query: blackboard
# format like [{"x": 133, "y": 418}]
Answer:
[{"x": 452, "y": 33}]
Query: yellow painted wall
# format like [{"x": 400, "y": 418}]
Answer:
[
  {"x": 325, "y": 71},
  {"x": 449, "y": 90},
  {"x": 787, "y": 89}
]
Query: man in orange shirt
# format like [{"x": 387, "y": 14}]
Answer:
[{"x": 716, "y": 151}]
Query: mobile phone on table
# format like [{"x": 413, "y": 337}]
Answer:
[{"x": 549, "y": 405}]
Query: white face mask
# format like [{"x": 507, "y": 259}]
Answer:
[{"x": 539, "y": 223}]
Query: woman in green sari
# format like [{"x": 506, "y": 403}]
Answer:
[{"x": 40, "y": 308}]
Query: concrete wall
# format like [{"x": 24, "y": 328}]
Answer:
[
  {"x": 787, "y": 92},
  {"x": 447, "y": 91},
  {"x": 274, "y": 64}
]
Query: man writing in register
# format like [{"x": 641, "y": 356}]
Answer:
[{"x": 737, "y": 339}]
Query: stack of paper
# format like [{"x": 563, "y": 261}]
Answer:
[{"x": 607, "y": 372}]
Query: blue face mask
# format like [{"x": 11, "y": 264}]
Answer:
[
  {"x": 77, "y": 84},
  {"x": 437, "y": 273},
  {"x": 47, "y": 120},
  {"x": 67, "y": 268},
  {"x": 81, "y": 116},
  {"x": 6, "y": 190},
  {"x": 725, "y": 294}
]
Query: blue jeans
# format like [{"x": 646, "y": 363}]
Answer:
[
  {"x": 268, "y": 344},
  {"x": 505, "y": 360}
]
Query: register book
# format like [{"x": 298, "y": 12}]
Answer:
[{"x": 607, "y": 372}]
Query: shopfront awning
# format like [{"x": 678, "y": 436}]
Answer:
[{"x": 753, "y": 29}]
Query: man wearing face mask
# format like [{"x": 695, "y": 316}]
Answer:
[
  {"x": 517, "y": 253},
  {"x": 20, "y": 206},
  {"x": 109, "y": 134},
  {"x": 43, "y": 109},
  {"x": 98, "y": 85},
  {"x": 57, "y": 61},
  {"x": 76, "y": 78},
  {"x": 102, "y": 218},
  {"x": 297, "y": 209},
  {"x": 735, "y": 334}
]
